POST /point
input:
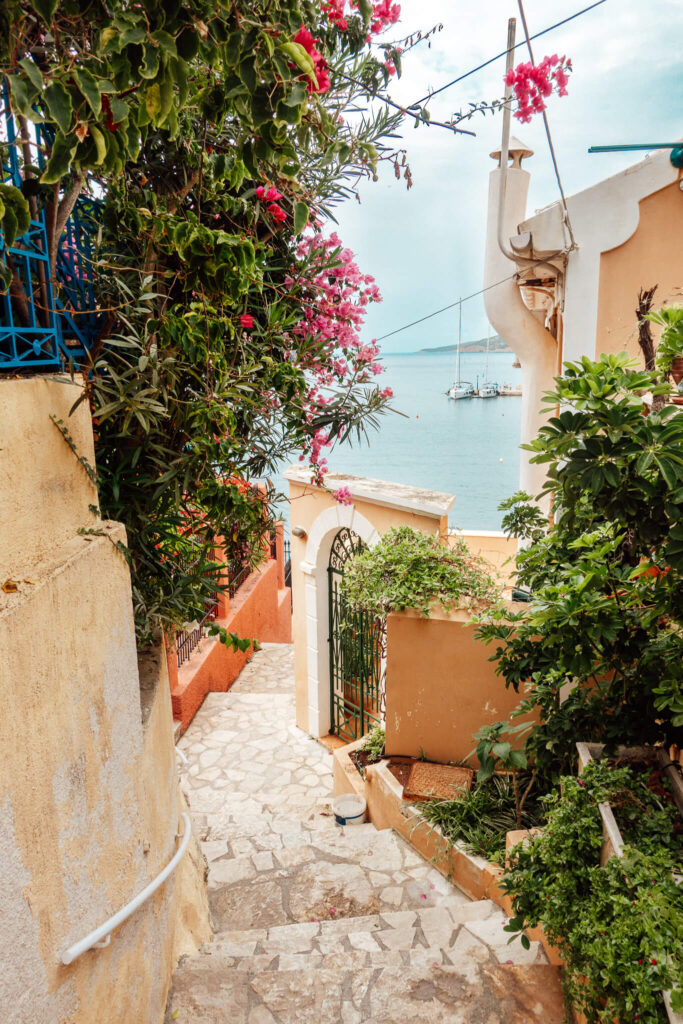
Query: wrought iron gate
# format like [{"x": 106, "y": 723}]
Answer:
[{"x": 355, "y": 651}]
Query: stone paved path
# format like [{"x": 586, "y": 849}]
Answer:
[{"x": 321, "y": 924}]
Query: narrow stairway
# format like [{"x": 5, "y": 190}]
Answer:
[{"x": 321, "y": 924}]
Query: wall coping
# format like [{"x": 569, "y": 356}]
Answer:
[
  {"x": 457, "y": 532},
  {"x": 439, "y": 613},
  {"x": 433, "y": 504}
]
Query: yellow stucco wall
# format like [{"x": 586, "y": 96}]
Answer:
[
  {"x": 89, "y": 800},
  {"x": 652, "y": 255}
]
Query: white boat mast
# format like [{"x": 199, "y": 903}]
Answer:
[{"x": 457, "y": 375}]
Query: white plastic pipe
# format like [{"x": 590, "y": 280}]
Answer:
[
  {"x": 505, "y": 142},
  {"x": 96, "y": 937}
]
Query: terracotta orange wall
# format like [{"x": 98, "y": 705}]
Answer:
[
  {"x": 494, "y": 547},
  {"x": 261, "y": 610},
  {"x": 441, "y": 688},
  {"x": 652, "y": 255}
]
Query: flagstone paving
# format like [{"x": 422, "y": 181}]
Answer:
[{"x": 322, "y": 924}]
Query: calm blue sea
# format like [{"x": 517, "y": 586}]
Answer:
[{"x": 468, "y": 448}]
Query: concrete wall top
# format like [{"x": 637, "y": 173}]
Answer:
[
  {"x": 401, "y": 497},
  {"x": 45, "y": 493}
]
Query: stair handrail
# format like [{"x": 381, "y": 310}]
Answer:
[{"x": 101, "y": 936}]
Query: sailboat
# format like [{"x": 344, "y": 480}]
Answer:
[
  {"x": 487, "y": 389},
  {"x": 460, "y": 388}
]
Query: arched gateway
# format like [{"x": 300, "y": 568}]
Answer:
[{"x": 355, "y": 650}]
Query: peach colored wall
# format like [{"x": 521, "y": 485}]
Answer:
[
  {"x": 306, "y": 504},
  {"x": 259, "y": 611},
  {"x": 441, "y": 688},
  {"x": 650, "y": 256},
  {"x": 497, "y": 549}
]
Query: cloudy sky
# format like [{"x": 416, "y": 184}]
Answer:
[{"x": 425, "y": 247}]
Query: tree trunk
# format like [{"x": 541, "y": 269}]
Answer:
[{"x": 645, "y": 339}]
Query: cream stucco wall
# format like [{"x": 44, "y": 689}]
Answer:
[{"x": 89, "y": 799}]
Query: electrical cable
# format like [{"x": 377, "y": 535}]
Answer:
[
  {"x": 567, "y": 220},
  {"x": 504, "y": 53},
  {"x": 466, "y": 298}
]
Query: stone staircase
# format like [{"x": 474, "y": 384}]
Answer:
[{"x": 319, "y": 924}]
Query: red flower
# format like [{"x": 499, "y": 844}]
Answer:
[
  {"x": 260, "y": 192},
  {"x": 247, "y": 321},
  {"x": 273, "y": 195},
  {"x": 305, "y": 39},
  {"x": 654, "y": 962},
  {"x": 277, "y": 213}
]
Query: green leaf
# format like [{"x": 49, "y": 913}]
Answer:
[
  {"x": 59, "y": 162},
  {"x": 166, "y": 42},
  {"x": 59, "y": 105},
  {"x": 108, "y": 35},
  {"x": 46, "y": 9},
  {"x": 10, "y": 227},
  {"x": 23, "y": 97},
  {"x": 13, "y": 199},
  {"x": 301, "y": 58},
  {"x": 5, "y": 276},
  {"x": 524, "y": 939},
  {"x": 502, "y": 751},
  {"x": 119, "y": 109},
  {"x": 300, "y": 217},
  {"x": 33, "y": 72},
  {"x": 297, "y": 95},
  {"x": 88, "y": 86},
  {"x": 153, "y": 101},
  {"x": 100, "y": 143},
  {"x": 150, "y": 63}
]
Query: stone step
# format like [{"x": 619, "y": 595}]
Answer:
[
  {"x": 472, "y": 929},
  {"x": 206, "y": 992},
  {"x": 350, "y": 872},
  {"x": 233, "y": 817}
]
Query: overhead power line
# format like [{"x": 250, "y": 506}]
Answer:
[
  {"x": 504, "y": 53},
  {"x": 465, "y": 298}
]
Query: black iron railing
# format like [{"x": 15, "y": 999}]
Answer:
[
  {"x": 237, "y": 574},
  {"x": 288, "y": 563},
  {"x": 187, "y": 640}
]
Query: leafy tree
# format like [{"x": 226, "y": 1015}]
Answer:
[
  {"x": 597, "y": 651},
  {"x": 214, "y": 138}
]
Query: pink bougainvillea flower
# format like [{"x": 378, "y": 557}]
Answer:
[
  {"x": 532, "y": 84},
  {"x": 260, "y": 192},
  {"x": 246, "y": 321},
  {"x": 272, "y": 195},
  {"x": 343, "y": 496},
  {"x": 276, "y": 212}
]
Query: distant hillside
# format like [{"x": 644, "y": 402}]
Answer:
[{"x": 496, "y": 345}]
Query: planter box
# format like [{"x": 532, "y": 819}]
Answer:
[{"x": 613, "y": 844}]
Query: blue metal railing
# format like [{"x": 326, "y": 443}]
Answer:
[{"x": 45, "y": 323}]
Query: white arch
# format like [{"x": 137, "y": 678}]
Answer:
[{"x": 318, "y": 546}]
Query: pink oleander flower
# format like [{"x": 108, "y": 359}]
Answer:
[
  {"x": 246, "y": 321},
  {"x": 343, "y": 496},
  {"x": 386, "y": 393}
]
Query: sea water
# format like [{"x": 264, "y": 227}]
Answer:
[{"x": 469, "y": 447}]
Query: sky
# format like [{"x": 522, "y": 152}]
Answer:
[{"x": 425, "y": 247}]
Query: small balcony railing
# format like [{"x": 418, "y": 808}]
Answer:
[{"x": 187, "y": 640}]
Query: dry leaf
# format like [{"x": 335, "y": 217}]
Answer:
[
  {"x": 10, "y": 586},
  {"x": 81, "y": 131}
]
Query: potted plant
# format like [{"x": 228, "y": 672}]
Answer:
[{"x": 670, "y": 349}]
